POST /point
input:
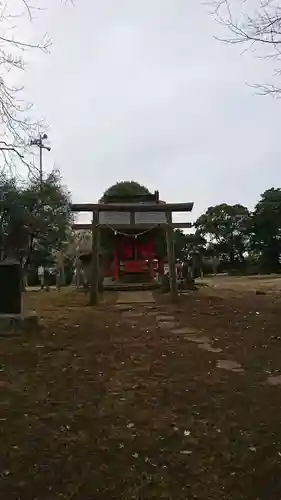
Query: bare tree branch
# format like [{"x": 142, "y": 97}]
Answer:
[
  {"x": 256, "y": 27},
  {"x": 28, "y": 8},
  {"x": 17, "y": 126}
]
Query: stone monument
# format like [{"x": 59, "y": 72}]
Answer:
[{"x": 13, "y": 317}]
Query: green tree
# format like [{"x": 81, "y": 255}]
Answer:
[
  {"x": 188, "y": 244},
  {"x": 125, "y": 188},
  {"x": 13, "y": 231},
  {"x": 47, "y": 208},
  {"x": 265, "y": 230},
  {"x": 225, "y": 228},
  {"x": 35, "y": 219},
  {"x": 180, "y": 244}
]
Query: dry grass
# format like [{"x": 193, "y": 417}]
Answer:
[
  {"x": 268, "y": 283},
  {"x": 98, "y": 405}
]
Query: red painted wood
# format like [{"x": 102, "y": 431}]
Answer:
[{"x": 134, "y": 257}]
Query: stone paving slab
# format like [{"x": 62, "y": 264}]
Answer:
[
  {"x": 197, "y": 339},
  {"x": 229, "y": 365},
  {"x": 167, "y": 325},
  {"x": 208, "y": 347},
  {"x": 274, "y": 380},
  {"x": 136, "y": 297},
  {"x": 165, "y": 318},
  {"x": 185, "y": 330}
]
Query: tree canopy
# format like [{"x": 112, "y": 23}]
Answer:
[
  {"x": 126, "y": 188},
  {"x": 225, "y": 227},
  {"x": 265, "y": 230},
  {"x": 35, "y": 218},
  {"x": 240, "y": 236}
]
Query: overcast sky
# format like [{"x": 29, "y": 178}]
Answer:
[{"x": 140, "y": 90}]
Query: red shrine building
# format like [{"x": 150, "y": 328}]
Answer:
[{"x": 132, "y": 243}]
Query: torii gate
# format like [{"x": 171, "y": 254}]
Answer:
[{"x": 157, "y": 214}]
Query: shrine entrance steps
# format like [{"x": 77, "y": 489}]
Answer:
[
  {"x": 130, "y": 287},
  {"x": 135, "y": 278}
]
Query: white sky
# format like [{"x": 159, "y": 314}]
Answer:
[{"x": 140, "y": 90}]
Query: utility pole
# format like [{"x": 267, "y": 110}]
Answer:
[{"x": 39, "y": 143}]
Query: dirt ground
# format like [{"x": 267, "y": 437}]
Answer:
[
  {"x": 265, "y": 282},
  {"x": 105, "y": 404}
]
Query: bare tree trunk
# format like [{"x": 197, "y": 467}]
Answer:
[{"x": 62, "y": 275}]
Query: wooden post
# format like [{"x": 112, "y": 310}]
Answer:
[
  {"x": 171, "y": 258},
  {"x": 116, "y": 262},
  {"x": 94, "y": 290},
  {"x": 150, "y": 267},
  {"x": 78, "y": 272}
]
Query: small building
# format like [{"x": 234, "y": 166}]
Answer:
[
  {"x": 132, "y": 245},
  {"x": 129, "y": 235}
]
